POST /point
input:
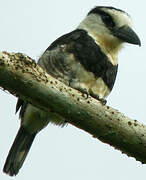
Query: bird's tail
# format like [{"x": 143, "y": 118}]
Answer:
[{"x": 18, "y": 152}]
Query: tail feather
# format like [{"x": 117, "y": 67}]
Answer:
[{"x": 18, "y": 152}]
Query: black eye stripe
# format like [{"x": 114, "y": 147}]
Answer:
[
  {"x": 108, "y": 21},
  {"x": 106, "y": 18}
]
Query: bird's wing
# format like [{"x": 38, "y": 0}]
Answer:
[{"x": 76, "y": 46}]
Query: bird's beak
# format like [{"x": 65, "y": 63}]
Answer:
[{"x": 126, "y": 34}]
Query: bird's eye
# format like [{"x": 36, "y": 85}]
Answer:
[{"x": 108, "y": 21}]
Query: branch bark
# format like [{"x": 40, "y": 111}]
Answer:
[{"x": 22, "y": 77}]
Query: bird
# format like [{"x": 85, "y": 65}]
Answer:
[{"x": 85, "y": 59}]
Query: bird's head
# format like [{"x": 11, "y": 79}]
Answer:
[{"x": 110, "y": 27}]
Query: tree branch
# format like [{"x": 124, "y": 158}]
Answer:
[{"x": 22, "y": 77}]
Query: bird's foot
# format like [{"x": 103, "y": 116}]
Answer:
[
  {"x": 85, "y": 92},
  {"x": 102, "y": 100},
  {"x": 79, "y": 87}
]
